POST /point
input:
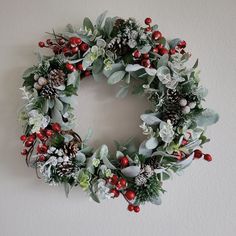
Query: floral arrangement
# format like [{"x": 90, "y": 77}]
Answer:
[{"x": 144, "y": 62}]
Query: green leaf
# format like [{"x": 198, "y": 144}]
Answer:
[
  {"x": 57, "y": 140},
  {"x": 174, "y": 42},
  {"x": 108, "y": 26},
  {"x": 97, "y": 66},
  {"x": 58, "y": 104},
  {"x": 115, "y": 67},
  {"x": 100, "y": 20},
  {"x": 131, "y": 171},
  {"x": 123, "y": 91},
  {"x": 29, "y": 71},
  {"x": 116, "y": 77},
  {"x": 207, "y": 117},
  {"x": 88, "y": 24},
  {"x": 163, "y": 60},
  {"x": 70, "y": 90}
]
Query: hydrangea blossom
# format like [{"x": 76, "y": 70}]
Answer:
[{"x": 38, "y": 121}]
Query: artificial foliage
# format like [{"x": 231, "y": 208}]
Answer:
[{"x": 143, "y": 62}]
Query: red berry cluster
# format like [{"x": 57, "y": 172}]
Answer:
[
  {"x": 118, "y": 184},
  {"x": 42, "y": 137},
  {"x": 159, "y": 47},
  {"x": 68, "y": 47},
  {"x": 198, "y": 154}
]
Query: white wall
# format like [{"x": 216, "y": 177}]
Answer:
[{"x": 200, "y": 202}]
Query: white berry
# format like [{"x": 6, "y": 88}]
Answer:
[
  {"x": 192, "y": 105},
  {"x": 42, "y": 81},
  {"x": 37, "y": 86},
  {"x": 183, "y": 102},
  {"x": 36, "y": 77},
  {"x": 186, "y": 110}
]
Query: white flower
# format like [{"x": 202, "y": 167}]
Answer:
[
  {"x": 38, "y": 121},
  {"x": 166, "y": 131},
  {"x": 101, "y": 190}
]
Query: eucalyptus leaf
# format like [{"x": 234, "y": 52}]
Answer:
[
  {"x": 115, "y": 67},
  {"x": 163, "y": 60},
  {"x": 58, "y": 104},
  {"x": 133, "y": 67},
  {"x": 174, "y": 42}
]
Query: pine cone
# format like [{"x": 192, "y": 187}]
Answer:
[
  {"x": 140, "y": 180},
  {"x": 48, "y": 91},
  {"x": 153, "y": 162},
  {"x": 57, "y": 77},
  {"x": 65, "y": 169},
  {"x": 71, "y": 148}
]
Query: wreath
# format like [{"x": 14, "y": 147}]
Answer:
[{"x": 142, "y": 60}]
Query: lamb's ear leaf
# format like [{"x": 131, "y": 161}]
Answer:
[
  {"x": 131, "y": 171},
  {"x": 206, "y": 118},
  {"x": 100, "y": 20},
  {"x": 108, "y": 26},
  {"x": 116, "y": 77},
  {"x": 88, "y": 24}
]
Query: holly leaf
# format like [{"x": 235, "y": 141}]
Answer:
[{"x": 57, "y": 140}]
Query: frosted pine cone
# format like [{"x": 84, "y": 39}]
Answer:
[{"x": 57, "y": 77}]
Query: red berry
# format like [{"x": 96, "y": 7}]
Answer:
[
  {"x": 136, "y": 209},
  {"x": 87, "y": 73},
  {"x": 74, "y": 50},
  {"x": 156, "y": 35},
  {"x": 41, "y": 158},
  {"x": 114, "y": 179},
  {"x": 148, "y": 29},
  {"x": 197, "y": 153},
  {"x": 130, "y": 207},
  {"x": 122, "y": 182},
  {"x": 130, "y": 195},
  {"x": 23, "y": 138},
  {"x": 207, "y": 157},
  {"x": 28, "y": 143},
  {"x": 163, "y": 51},
  {"x": 148, "y": 21},
  {"x": 172, "y": 51},
  {"x": 146, "y": 56},
  {"x": 160, "y": 46},
  {"x": 40, "y": 136},
  {"x": 118, "y": 185},
  {"x": 115, "y": 192},
  {"x": 42, "y": 149},
  {"x": 49, "y": 42},
  {"x": 84, "y": 47},
  {"x": 65, "y": 50},
  {"x": 182, "y": 44},
  {"x": 155, "y": 49},
  {"x": 56, "y": 127},
  {"x": 80, "y": 67},
  {"x": 24, "y": 152},
  {"x": 146, "y": 63},
  {"x": 184, "y": 142},
  {"x": 124, "y": 161},
  {"x": 49, "y": 132},
  {"x": 41, "y": 44},
  {"x": 136, "y": 53},
  {"x": 69, "y": 67},
  {"x": 61, "y": 41},
  {"x": 75, "y": 40}
]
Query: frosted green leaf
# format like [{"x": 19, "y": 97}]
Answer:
[
  {"x": 131, "y": 171},
  {"x": 116, "y": 77},
  {"x": 206, "y": 118}
]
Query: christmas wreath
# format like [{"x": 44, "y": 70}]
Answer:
[{"x": 142, "y": 60}]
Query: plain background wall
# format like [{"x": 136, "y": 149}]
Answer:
[{"x": 202, "y": 201}]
